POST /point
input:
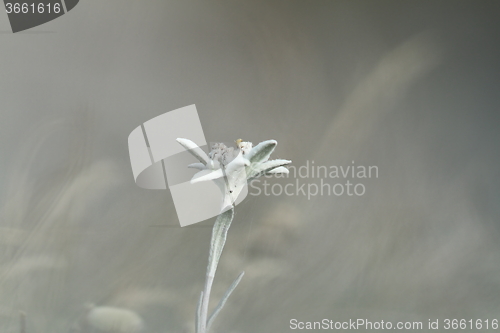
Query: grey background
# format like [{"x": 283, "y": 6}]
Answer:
[{"x": 411, "y": 87}]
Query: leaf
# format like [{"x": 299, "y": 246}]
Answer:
[
  {"x": 224, "y": 299},
  {"x": 193, "y": 148},
  {"x": 219, "y": 235},
  {"x": 262, "y": 151}
]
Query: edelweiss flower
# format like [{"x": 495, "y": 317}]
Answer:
[{"x": 232, "y": 168}]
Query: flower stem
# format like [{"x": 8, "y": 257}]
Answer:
[{"x": 219, "y": 235}]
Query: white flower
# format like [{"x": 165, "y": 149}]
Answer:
[{"x": 232, "y": 168}]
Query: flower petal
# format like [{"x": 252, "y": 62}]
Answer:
[
  {"x": 193, "y": 148},
  {"x": 257, "y": 169},
  {"x": 280, "y": 169},
  {"x": 205, "y": 175},
  {"x": 199, "y": 166},
  {"x": 262, "y": 151},
  {"x": 238, "y": 163}
]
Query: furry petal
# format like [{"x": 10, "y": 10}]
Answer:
[
  {"x": 262, "y": 151},
  {"x": 205, "y": 175},
  {"x": 193, "y": 148}
]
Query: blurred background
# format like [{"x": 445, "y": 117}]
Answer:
[{"x": 411, "y": 87}]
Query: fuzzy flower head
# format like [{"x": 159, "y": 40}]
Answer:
[
  {"x": 231, "y": 168},
  {"x": 222, "y": 154},
  {"x": 244, "y": 146}
]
